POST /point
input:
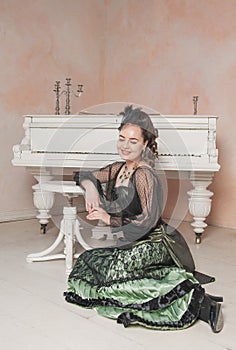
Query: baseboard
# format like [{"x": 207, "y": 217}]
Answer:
[
  {"x": 189, "y": 220},
  {"x": 18, "y": 215},
  {"x": 28, "y": 214}
]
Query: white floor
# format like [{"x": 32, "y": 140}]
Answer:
[{"x": 34, "y": 315}]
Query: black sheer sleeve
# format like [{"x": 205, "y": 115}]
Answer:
[
  {"x": 97, "y": 177},
  {"x": 150, "y": 194}
]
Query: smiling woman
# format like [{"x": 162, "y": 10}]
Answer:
[
  {"x": 130, "y": 146},
  {"x": 130, "y": 143},
  {"x": 149, "y": 278}
]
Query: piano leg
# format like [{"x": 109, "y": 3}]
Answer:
[
  {"x": 43, "y": 201},
  {"x": 200, "y": 202}
]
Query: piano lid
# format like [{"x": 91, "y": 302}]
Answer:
[{"x": 85, "y": 140}]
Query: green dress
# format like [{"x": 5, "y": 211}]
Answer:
[{"x": 149, "y": 278}]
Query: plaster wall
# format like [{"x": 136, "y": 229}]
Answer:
[
  {"x": 41, "y": 42},
  {"x": 156, "y": 53},
  {"x": 160, "y": 53}
]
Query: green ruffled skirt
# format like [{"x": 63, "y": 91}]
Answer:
[{"x": 140, "y": 284}]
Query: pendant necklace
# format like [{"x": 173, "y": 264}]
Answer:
[{"x": 126, "y": 174}]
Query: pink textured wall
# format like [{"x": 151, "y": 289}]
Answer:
[
  {"x": 160, "y": 53},
  {"x": 41, "y": 42},
  {"x": 157, "y": 53}
]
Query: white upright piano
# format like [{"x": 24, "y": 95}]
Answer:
[{"x": 55, "y": 145}]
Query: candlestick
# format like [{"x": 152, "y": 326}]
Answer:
[
  {"x": 57, "y": 88},
  {"x": 68, "y": 84},
  {"x": 195, "y": 101},
  {"x": 68, "y": 91},
  {"x": 80, "y": 89}
]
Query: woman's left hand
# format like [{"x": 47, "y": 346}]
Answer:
[{"x": 97, "y": 213}]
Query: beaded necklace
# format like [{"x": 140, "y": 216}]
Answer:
[{"x": 126, "y": 174}]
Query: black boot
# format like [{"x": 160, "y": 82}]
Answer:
[
  {"x": 215, "y": 298},
  {"x": 216, "y": 317},
  {"x": 211, "y": 312}
]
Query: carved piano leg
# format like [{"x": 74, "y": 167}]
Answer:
[
  {"x": 200, "y": 202},
  {"x": 43, "y": 201}
]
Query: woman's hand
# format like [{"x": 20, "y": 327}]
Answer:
[
  {"x": 97, "y": 213},
  {"x": 91, "y": 195}
]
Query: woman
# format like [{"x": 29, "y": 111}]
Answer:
[{"x": 149, "y": 278}]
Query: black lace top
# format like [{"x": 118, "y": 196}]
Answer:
[{"x": 136, "y": 208}]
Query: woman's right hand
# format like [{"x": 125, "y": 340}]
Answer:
[{"x": 91, "y": 195}]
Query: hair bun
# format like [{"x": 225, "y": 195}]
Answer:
[{"x": 138, "y": 117}]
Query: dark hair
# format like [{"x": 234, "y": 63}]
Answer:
[{"x": 149, "y": 133}]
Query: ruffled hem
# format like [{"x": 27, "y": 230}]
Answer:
[
  {"x": 158, "y": 303},
  {"x": 156, "y": 313}
]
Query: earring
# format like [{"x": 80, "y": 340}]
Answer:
[{"x": 144, "y": 153}]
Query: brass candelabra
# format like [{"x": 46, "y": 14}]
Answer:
[{"x": 68, "y": 91}]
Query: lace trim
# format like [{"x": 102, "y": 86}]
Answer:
[{"x": 149, "y": 272}]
